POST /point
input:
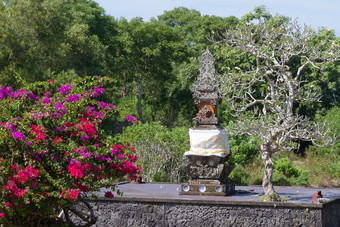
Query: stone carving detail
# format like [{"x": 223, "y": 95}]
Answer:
[
  {"x": 204, "y": 172},
  {"x": 206, "y": 89},
  {"x": 206, "y": 111},
  {"x": 212, "y": 120},
  {"x": 221, "y": 172},
  {"x": 206, "y": 85}
]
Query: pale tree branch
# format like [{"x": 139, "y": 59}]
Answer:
[{"x": 262, "y": 96}]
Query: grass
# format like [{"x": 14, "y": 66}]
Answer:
[
  {"x": 313, "y": 170},
  {"x": 323, "y": 171}
]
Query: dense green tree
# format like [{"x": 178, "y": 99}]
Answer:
[
  {"x": 149, "y": 50},
  {"x": 196, "y": 28},
  {"x": 41, "y": 38},
  {"x": 326, "y": 82}
]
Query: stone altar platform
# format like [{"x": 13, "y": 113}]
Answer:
[
  {"x": 170, "y": 191},
  {"x": 158, "y": 204}
]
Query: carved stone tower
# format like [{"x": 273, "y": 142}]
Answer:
[{"x": 209, "y": 143}]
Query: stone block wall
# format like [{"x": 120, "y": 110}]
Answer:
[
  {"x": 171, "y": 212},
  {"x": 331, "y": 214}
]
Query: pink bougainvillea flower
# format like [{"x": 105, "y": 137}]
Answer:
[
  {"x": 32, "y": 96},
  {"x": 109, "y": 194},
  {"x": 71, "y": 195},
  {"x": 4, "y": 92},
  {"x": 82, "y": 187},
  {"x": 38, "y": 115},
  {"x": 98, "y": 91},
  {"x": 11, "y": 127},
  {"x": 88, "y": 128},
  {"x": 39, "y": 132},
  {"x": 59, "y": 106},
  {"x": 65, "y": 89},
  {"x": 57, "y": 140},
  {"x": 8, "y": 205},
  {"x": 18, "y": 135},
  {"x": 76, "y": 170},
  {"x": 69, "y": 124},
  {"x": 61, "y": 110},
  {"x": 47, "y": 100},
  {"x": 17, "y": 94},
  {"x": 131, "y": 119},
  {"x": 73, "y": 98}
]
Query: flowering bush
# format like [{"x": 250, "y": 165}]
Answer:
[{"x": 52, "y": 150}]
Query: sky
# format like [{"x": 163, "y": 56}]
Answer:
[{"x": 315, "y": 13}]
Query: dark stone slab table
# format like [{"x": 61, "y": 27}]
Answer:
[{"x": 171, "y": 191}]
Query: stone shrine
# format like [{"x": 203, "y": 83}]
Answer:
[{"x": 209, "y": 143}]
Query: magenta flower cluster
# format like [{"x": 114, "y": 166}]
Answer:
[
  {"x": 109, "y": 194},
  {"x": 73, "y": 98},
  {"x": 47, "y": 100},
  {"x": 4, "y": 92},
  {"x": 106, "y": 107},
  {"x": 97, "y": 91},
  {"x": 92, "y": 112},
  {"x": 60, "y": 110},
  {"x": 65, "y": 89},
  {"x": 13, "y": 129},
  {"x": 18, "y": 135},
  {"x": 131, "y": 119},
  {"x": 17, "y": 94},
  {"x": 94, "y": 92},
  {"x": 7, "y": 93}
]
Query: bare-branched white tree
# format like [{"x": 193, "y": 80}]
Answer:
[{"x": 263, "y": 95}]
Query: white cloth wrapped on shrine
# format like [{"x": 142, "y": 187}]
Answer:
[{"x": 208, "y": 142}]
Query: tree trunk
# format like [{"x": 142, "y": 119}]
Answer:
[
  {"x": 267, "y": 182},
  {"x": 139, "y": 103}
]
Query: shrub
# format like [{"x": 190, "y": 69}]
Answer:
[
  {"x": 332, "y": 119},
  {"x": 286, "y": 167},
  {"x": 301, "y": 180},
  {"x": 159, "y": 150},
  {"x": 280, "y": 179},
  {"x": 52, "y": 150},
  {"x": 244, "y": 149},
  {"x": 239, "y": 177},
  {"x": 160, "y": 176}
]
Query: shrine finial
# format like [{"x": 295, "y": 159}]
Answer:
[{"x": 206, "y": 92}]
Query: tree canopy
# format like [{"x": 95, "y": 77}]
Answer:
[
  {"x": 40, "y": 39},
  {"x": 149, "y": 50},
  {"x": 264, "y": 93}
]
